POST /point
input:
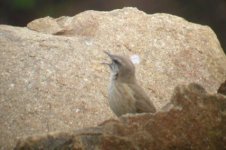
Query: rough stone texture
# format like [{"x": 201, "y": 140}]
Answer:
[
  {"x": 51, "y": 78},
  {"x": 196, "y": 121},
  {"x": 222, "y": 88}
]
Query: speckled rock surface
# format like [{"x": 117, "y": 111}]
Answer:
[
  {"x": 51, "y": 78},
  {"x": 196, "y": 121}
]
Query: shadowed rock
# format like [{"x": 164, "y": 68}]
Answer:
[
  {"x": 222, "y": 88},
  {"x": 196, "y": 121}
]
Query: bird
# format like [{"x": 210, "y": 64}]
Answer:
[{"x": 125, "y": 95}]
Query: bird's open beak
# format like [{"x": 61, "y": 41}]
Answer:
[
  {"x": 105, "y": 63},
  {"x": 110, "y": 55}
]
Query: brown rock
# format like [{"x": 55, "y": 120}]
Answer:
[
  {"x": 54, "y": 81},
  {"x": 46, "y": 25},
  {"x": 197, "y": 121},
  {"x": 222, "y": 88}
]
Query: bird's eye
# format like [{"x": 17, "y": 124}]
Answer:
[{"x": 116, "y": 62}]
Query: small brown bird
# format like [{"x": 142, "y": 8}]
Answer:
[{"x": 125, "y": 95}]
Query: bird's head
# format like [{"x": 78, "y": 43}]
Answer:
[{"x": 122, "y": 68}]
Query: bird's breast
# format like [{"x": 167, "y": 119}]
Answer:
[{"x": 121, "y": 98}]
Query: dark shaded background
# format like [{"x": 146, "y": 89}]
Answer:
[{"x": 206, "y": 12}]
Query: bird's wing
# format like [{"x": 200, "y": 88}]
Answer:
[{"x": 143, "y": 103}]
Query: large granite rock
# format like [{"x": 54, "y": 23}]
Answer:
[
  {"x": 51, "y": 78},
  {"x": 195, "y": 121}
]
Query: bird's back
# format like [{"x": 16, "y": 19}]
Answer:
[
  {"x": 142, "y": 103},
  {"x": 129, "y": 98}
]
